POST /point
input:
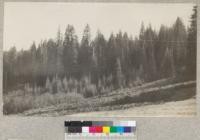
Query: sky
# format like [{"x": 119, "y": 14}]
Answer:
[{"x": 25, "y": 22}]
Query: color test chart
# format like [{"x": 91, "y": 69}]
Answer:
[{"x": 100, "y": 130}]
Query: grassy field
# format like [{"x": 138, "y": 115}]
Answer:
[
  {"x": 159, "y": 98},
  {"x": 166, "y": 109}
]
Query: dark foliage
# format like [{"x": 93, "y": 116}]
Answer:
[{"x": 94, "y": 67}]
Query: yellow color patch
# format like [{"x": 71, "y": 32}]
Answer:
[{"x": 106, "y": 129}]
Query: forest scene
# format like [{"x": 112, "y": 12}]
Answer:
[{"x": 63, "y": 76}]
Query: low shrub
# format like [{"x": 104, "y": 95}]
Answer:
[
  {"x": 89, "y": 91},
  {"x": 20, "y": 103},
  {"x": 17, "y": 104}
]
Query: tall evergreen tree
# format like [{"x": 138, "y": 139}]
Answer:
[
  {"x": 179, "y": 41},
  {"x": 85, "y": 51},
  {"x": 70, "y": 55},
  {"x": 33, "y": 64},
  {"x": 192, "y": 45},
  {"x": 59, "y": 44}
]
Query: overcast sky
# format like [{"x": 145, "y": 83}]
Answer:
[{"x": 27, "y": 22}]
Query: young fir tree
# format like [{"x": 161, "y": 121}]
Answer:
[
  {"x": 118, "y": 74},
  {"x": 65, "y": 85},
  {"x": 48, "y": 85}
]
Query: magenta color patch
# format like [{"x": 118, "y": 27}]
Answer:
[{"x": 92, "y": 129}]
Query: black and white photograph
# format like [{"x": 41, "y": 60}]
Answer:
[{"x": 99, "y": 59}]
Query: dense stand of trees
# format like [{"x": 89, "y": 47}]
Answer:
[{"x": 98, "y": 66}]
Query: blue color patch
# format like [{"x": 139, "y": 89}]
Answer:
[{"x": 127, "y": 129}]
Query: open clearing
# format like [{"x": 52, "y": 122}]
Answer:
[{"x": 169, "y": 109}]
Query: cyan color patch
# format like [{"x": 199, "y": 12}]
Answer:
[{"x": 120, "y": 129}]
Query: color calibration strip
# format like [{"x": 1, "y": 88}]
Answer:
[{"x": 100, "y": 130}]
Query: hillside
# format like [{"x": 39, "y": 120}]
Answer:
[{"x": 149, "y": 99}]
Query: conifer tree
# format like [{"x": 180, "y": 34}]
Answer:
[
  {"x": 118, "y": 74},
  {"x": 192, "y": 45}
]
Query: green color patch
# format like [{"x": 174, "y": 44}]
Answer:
[{"x": 113, "y": 129}]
